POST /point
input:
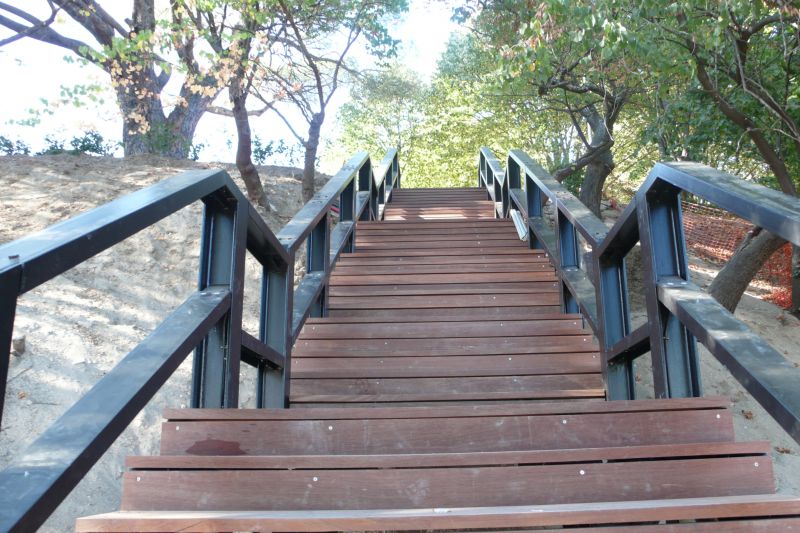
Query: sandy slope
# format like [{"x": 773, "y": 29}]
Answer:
[{"x": 78, "y": 326}]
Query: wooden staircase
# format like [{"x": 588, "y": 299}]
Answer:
[{"x": 446, "y": 391}]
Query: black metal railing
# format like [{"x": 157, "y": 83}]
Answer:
[
  {"x": 590, "y": 261},
  {"x": 208, "y": 322}
]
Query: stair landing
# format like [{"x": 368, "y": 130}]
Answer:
[{"x": 446, "y": 390}]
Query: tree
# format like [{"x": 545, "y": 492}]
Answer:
[
  {"x": 135, "y": 55},
  {"x": 742, "y": 55},
  {"x": 569, "y": 73},
  {"x": 304, "y": 70},
  {"x": 253, "y": 26},
  {"x": 386, "y": 111}
]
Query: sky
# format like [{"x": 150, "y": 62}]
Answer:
[{"x": 34, "y": 72}]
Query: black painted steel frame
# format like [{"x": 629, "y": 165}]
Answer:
[
  {"x": 593, "y": 276},
  {"x": 210, "y": 321}
]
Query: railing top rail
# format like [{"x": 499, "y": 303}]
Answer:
[
  {"x": 44, "y": 255},
  {"x": 772, "y": 210},
  {"x": 381, "y": 169},
  {"x": 587, "y": 223},
  {"x": 301, "y": 224},
  {"x": 493, "y": 163}
]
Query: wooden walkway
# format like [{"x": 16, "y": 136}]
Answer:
[{"x": 445, "y": 390}]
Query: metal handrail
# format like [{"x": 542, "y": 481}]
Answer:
[
  {"x": 208, "y": 322},
  {"x": 678, "y": 312}
]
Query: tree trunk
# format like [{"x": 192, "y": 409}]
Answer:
[
  {"x": 731, "y": 282},
  {"x": 601, "y": 165},
  {"x": 310, "y": 161},
  {"x": 244, "y": 149},
  {"x": 145, "y": 127}
]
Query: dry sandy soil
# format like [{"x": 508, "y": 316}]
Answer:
[{"x": 79, "y": 325}]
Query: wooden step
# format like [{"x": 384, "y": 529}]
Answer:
[
  {"x": 736, "y": 511},
  {"x": 508, "y": 427},
  {"x": 447, "y": 480}
]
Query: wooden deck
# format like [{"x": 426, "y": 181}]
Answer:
[{"x": 446, "y": 390}]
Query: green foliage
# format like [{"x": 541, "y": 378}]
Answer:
[
  {"x": 53, "y": 146},
  {"x": 440, "y": 127},
  {"x": 9, "y": 147},
  {"x": 194, "y": 151},
  {"x": 90, "y": 142},
  {"x": 262, "y": 152}
]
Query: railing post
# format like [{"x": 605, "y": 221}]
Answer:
[
  {"x": 318, "y": 249},
  {"x": 673, "y": 349},
  {"x": 277, "y": 290},
  {"x": 569, "y": 257},
  {"x": 381, "y": 198},
  {"x": 365, "y": 185},
  {"x": 498, "y": 193},
  {"x": 396, "y": 171},
  {"x": 614, "y": 322},
  {"x": 373, "y": 197},
  {"x": 533, "y": 197},
  {"x": 9, "y": 290},
  {"x": 347, "y": 209},
  {"x": 215, "y": 376}
]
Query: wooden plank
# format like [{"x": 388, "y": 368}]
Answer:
[
  {"x": 482, "y": 250},
  {"x": 719, "y": 404},
  {"x": 436, "y": 330},
  {"x": 372, "y": 320},
  {"x": 404, "y": 238},
  {"x": 447, "y": 260},
  {"x": 416, "y": 279},
  {"x": 425, "y": 213},
  {"x": 345, "y": 270},
  {"x": 433, "y": 398},
  {"x": 440, "y": 347},
  {"x": 422, "y": 289},
  {"x": 434, "y": 226},
  {"x": 757, "y": 450},
  {"x": 489, "y": 365},
  {"x": 321, "y": 434},
  {"x": 505, "y": 242},
  {"x": 541, "y": 385},
  {"x": 455, "y": 300},
  {"x": 647, "y": 511},
  {"x": 453, "y": 314},
  {"x": 416, "y": 488},
  {"x": 431, "y": 216},
  {"x": 465, "y": 203}
]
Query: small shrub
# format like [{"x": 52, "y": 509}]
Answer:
[
  {"x": 53, "y": 146},
  {"x": 194, "y": 151},
  {"x": 9, "y": 147},
  {"x": 91, "y": 142}
]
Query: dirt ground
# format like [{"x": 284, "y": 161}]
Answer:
[{"x": 79, "y": 325}]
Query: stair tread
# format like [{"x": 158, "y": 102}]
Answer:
[
  {"x": 745, "y": 506},
  {"x": 418, "y": 460}
]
